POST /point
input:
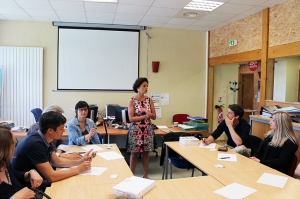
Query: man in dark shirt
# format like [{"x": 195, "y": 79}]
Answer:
[
  {"x": 236, "y": 129},
  {"x": 36, "y": 152}
]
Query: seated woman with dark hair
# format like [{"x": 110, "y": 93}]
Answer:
[
  {"x": 10, "y": 187},
  {"x": 82, "y": 130},
  {"x": 280, "y": 144}
]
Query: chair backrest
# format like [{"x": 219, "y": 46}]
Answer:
[
  {"x": 37, "y": 112},
  {"x": 169, "y": 138},
  {"x": 180, "y": 118},
  {"x": 292, "y": 166},
  {"x": 253, "y": 143}
]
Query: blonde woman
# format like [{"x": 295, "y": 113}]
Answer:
[{"x": 280, "y": 144}]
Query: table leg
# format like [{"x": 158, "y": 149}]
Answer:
[
  {"x": 166, "y": 162},
  {"x": 108, "y": 140}
]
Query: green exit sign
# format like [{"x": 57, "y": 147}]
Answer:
[{"x": 232, "y": 43}]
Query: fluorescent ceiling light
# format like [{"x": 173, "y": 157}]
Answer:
[
  {"x": 203, "y": 5},
  {"x": 103, "y": 1}
]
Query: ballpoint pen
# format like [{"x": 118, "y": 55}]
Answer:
[{"x": 225, "y": 158}]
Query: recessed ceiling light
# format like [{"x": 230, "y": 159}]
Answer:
[
  {"x": 203, "y": 5},
  {"x": 103, "y": 1},
  {"x": 190, "y": 14}
]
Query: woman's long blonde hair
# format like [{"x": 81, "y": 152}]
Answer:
[{"x": 284, "y": 130}]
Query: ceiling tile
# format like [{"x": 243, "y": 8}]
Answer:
[
  {"x": 164, "y": 12},
  {"x": 2, "y": 17},
  {"x": 18, "y": 18},
  {"x": 98, "y": 15},
  {"x": 205, "y": 28},
  {"x": 13, "y": 11},
  {"x": 41, "y": 13},
  {"x": 46, "y": 19},
  {"x": 35, "y": 4},
  {"x": 136, "y": 2},
  {"x": 70, "y": 14},
  {"x": 181, "y": 21},
  {"x": 128, "y": 17},
  {"x": 248, "y": 2},
  {"x": 8, "y": 4},
  {"x": 218, "y": 16},
  {"x": 206, "y": 23},
  {"x": 100, "y": 7},
  {"x": 130, "y": 9},
  {"x": 237, "y": 17},
  {"x": 154, "y": 19},
  {"x": 170, "y": 3},
  {"x": 124, "y": 22},
  {"x": 254, "y": 10},
  {"x": 272, "y": 3},
  {"x": 100, "y": 21},
  {"x": 67, "y": 5},
  {"x": 77, "y": 20},
  {"x": 233, "y": 8}
]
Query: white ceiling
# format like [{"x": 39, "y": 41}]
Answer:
[{"x": 153, "y": 13}]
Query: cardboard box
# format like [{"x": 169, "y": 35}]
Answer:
[
  {"x": 133, "y": 187},
  {"x": 188, "y": 140}
]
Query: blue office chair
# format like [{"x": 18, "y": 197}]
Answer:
[{"x": 37, "y": 112}]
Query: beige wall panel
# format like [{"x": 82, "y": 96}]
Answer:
[
  {"x": 246, "y": 31},
  {"x": 284, "y": 25},
  {"x": 182, "y": 72}
]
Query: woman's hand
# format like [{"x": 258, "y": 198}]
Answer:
[
  {"x": 92, "y": 132},
  {"x": 35, "y": 179},
  {"x": 24, "y": 193},
  {"x": 255, "y": 159}
]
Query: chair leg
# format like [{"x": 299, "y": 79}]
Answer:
[
  {"x": 170, "y": 163},
  {"x": 193, "y": 172},
  {"x": 163, "y": 173}
]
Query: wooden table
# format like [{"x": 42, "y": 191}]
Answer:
[
  {"x": 92, "y": 186},
  {"x": 24, "y": 134},
  {"x": 249, "y": 179},
  {"x": 196, "y": 187},
  {"x": 206, "y": 159}
]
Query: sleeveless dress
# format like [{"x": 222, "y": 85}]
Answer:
[{"x": 140, "y": 134}]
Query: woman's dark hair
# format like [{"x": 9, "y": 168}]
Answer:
[
  {"x": 80, "y": 104},
  {"x": 138, "y": 82},
  {"x": 6, "y": 140},
  {"x": 51, "y": 120}
]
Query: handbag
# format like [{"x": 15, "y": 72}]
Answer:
[{"x": 39, "y": 194}]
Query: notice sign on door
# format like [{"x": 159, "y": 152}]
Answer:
[{"x": 253, "y": 65}]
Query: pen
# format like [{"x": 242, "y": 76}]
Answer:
[{"x": 225, "y": 158}]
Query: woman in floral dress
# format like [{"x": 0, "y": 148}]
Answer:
[{"x": 141, "y": 133}]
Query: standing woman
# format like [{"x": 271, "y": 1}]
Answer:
[
  {"x": 280, "y": 145},
  {"x": 82, "y": 130},
  {"x": 141, "y": 133}
]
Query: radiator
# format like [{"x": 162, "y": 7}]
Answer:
[{"x": 22, "y": 83}]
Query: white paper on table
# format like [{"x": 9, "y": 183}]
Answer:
[
  {"x": 227, "y": 157},
  {"x": 209, "y": 146},
  {"x": 95, "y": 171},
  {"x": 110, "y": 155},
  {"x": 162, "y": 127},
  {"x": 273, "y": 180},
  {"x": 235, "y": 191},
  {"x": 91, "y": 146}
]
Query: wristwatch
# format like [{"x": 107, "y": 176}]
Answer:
[
  {"x": 58, "y": 154},
  {"x": 31, "y": 170}
]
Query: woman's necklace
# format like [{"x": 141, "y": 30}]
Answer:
[{"x": 7, "y": 175}]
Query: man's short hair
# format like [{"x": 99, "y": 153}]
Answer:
[
  {"x": 237, "y": 109},
  {"x": 51, "y": 120}
]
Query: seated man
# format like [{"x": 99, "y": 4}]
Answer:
[
  {"x": 35, "y": 152},
  {"x": 236, "y": 129},
  {"x": 55, "y": 143}
]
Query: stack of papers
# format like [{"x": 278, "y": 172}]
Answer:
[
  {"x": 185, "y": 127},
  {"x": 91, "y": 146},
  {"x": 110, "y": 155}
]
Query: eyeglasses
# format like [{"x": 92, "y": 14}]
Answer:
[
  {"x": 82, "y": 109},
  {"x": 15, "y": 142}
]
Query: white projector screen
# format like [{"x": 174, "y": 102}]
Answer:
[{"x": 93, "y": 59}]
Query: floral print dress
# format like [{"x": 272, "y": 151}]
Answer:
[{"x": 140, "y": 134}]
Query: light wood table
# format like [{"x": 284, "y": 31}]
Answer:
[
  {"x": 91, "y": 186},
  {"x": 206, "y": 159},
  {"x": 196, "y": 187},
  {"x": 24, "y": 134},
  {"x": 249, "y": 179}
]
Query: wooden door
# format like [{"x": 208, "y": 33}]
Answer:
[{"x": 247, "y": 93}]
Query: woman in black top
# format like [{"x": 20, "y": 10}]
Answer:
[
  {"x": 280, "y": 144},
  {"x": 10, "y": 188}
]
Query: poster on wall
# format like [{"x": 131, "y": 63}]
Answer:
[
  {"x": 158, "y": 112},
  {"x": 258, "y": 91},
  {"x": 164, "y": 98},
  {"x": 155, "y": 97}
]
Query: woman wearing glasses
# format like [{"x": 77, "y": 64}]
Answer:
[
  {"x": 10, "y": 180},
  {"x": 82, "y": 130}
]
